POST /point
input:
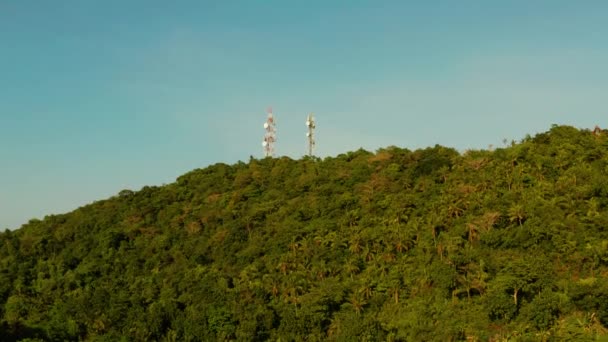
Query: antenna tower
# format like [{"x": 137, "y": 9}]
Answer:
[
  {"x": 271, "y": 134},
  {"x": 310, "y": 123}
]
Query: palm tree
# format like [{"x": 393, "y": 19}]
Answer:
[
  {"x": 357, "y": 303},
  {"x": 319, "y": 270},
  {"x": 517, "y": 213},
  {"x": 473, "y": 232},
  {"x": 292, "y": 290},
  {"x": 351, "y": 267},
  {"x": 273, "y": 284},
  {"x": 393, "y": 292},
  {"x": 293, "y": 247},
  {"x": 355, "y": 244},
  {"x": 378, "y": 267},
  {"x": 368, "y": 255},
  {"x": 367, "y": 290},
  {"x": 283, "y": 266},
  {"x": 488, "y": 220}
]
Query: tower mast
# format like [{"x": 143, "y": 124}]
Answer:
[
  {"x": 271, "y": 134},
  {"x": 311, "y": 124}
]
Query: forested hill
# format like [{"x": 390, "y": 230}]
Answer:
[{"x": 397, "y": 245}]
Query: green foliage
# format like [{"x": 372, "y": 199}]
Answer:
[{"x": 397, "y": 245}]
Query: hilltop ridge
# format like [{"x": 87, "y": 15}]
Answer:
[{"x": 396, "y": 245}]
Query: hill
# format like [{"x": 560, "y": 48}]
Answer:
[{"x": 396, "y": 245}]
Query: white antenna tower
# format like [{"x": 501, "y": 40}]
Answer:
[
  {"x": 310, "y": 123},
  {"x": 271, "y": 134}
]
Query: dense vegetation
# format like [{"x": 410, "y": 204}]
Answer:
[{"x": 396, "y": 245}]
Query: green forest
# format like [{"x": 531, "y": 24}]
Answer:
[{"x": 502, "y": 244}]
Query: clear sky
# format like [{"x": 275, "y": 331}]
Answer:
[{"x": 97, "y": 96}]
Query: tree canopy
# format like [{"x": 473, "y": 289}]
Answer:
[{"x": 396, "y": 245}]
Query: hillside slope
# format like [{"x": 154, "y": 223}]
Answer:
[{"x": 396, "y": 245}]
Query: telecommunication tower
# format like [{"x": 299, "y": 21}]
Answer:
[
  {"x": 271, "y": 134},
  {"x": 310, "y": 123}
]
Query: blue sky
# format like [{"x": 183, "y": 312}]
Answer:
[{"x": 99, "y": 96}]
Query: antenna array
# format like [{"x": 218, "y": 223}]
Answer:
[
  {"x": 271, "y": 134},
  {"x": 310, "y": 123}
]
